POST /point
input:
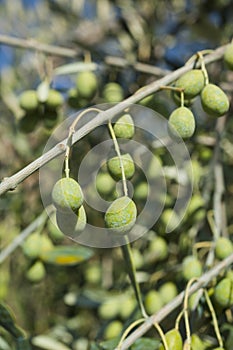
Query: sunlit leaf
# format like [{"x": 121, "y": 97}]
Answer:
[
  {"x": 47, "y": 343},
  {"x": 145, "y": 344},
  {"x": 66, "y": 256},
  {"x": 73, "y": 68}
]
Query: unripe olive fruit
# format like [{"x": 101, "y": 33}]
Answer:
[
  {"x": 87, "y": 84},
  {"x": 219, "y": 348},
  {"x": 141, "y": 191},
  {"x": 72, "y": 224},
  {"x": 223, "y": 292},
  {"x": 181, "y": 123},
  {"x": 223, "y": 248},
  {"x": 36, "y": 272},
  {"x": 214, "y": 101},
  {"x": 158, "y": 247},
  {"x": 191, "y": 267},
  {"x": 104, "y": 183},
  {"x": 93, "y": 273},
  {"x": 109, "y": 309},
  {"x": 54, "y": 100},
  {"x": 174, "y": 340},
  {"x": 153, "y": 302},
  {"x": 113, "y": 330},
  {"x": 168, "y": 291},
  {"x": 35, "y": 244},
  {"x": 67, "y": 195},
  {"x": 192, "y": 82},
  {"x": 28, "y": 100},
  {"x": 124, "y": 127},
  {"x": 228, "y": 56},
  {"x": 127, "y": 306},
  {"x": 121, "y": 215},
  {"x": 114, "y": 166},
  {"x": 113, "y": 92}
]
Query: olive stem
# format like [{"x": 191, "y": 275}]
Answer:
[
  {"x": 178, "y": 319},
  {"x": 126, "y": 332},
  {"x": 186, "y": 314},
  {"x": 215, "y": 322},
  {"x": 161, "y": 333},
  {"x": 182, "y": 98},
  {"x": 70, "y": 135},
  {"x": 128, "y": 257},
  {"x": 196, "y": 56},
  {"x": 203, "y": 67}
]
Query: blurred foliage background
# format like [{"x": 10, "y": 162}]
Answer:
[{"x": 71, "y": 307}]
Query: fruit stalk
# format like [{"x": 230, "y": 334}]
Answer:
[
  {"x": 69, "y": 138},
  {"x": 126, "y": 249}
]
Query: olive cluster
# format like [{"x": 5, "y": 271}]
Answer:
[
  {"x": 193, "y": 83},
  {"x": 86, "y": 88},
  {"x": 37, "y": 109}
]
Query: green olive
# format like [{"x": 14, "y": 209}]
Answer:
[
  {"x": 36, "y": 272},
  {"x": 87, "y": 84},
  {"x": 168, "y": 291},
  {"x": 121, "y": 215},
  {"x": 158, "y": 248},
  {"x": 29, "y": 101},
  {"x": 104, "y": 183},
  {"x": 192, "y": 82},
  {"x": 228, "y": 56},
  {"x": 71, "y": 224},
  {"x": 153, "y": 302},
  {"x": 108, "y": 309},
  {"x": 113, "y": 329},
  {"x": 127, "y": 306},
  {"x": 115, "y": 169},
  {"x": 223, "y": 292},
  {"x": 113, "y": 92},
  {"x": 174, "y": 340},
  {"x": 124, "y": 127},
  {"x": 191, "y": 267},
  {"x": 214, "y": 101},
  {"x": 141, "y": 191},
  {"x": 67, "y": 195},
  {"x": 54, "y": 100},
  {"x": 223, "y": 248},
  {"x": 181, "y": 123},
  {"x": 35, "y": 244}
]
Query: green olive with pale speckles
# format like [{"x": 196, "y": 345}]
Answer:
[
  {"x": 181, "y": 123},
  {"x": 115, "y": 170},
  {"x": 121, "y": 215},
  {"x": 124, "y": 127},
  {"x": 192, "y": 82},
  {"x": 67, "y": 195},
  {"x": 214, "y": 101}
]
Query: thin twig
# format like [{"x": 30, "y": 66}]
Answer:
[
  {"x": 203, "y": 281},
  {"x": 38, "y": 46},
  {"x": 33, "y": 44},
  {"x": 12, "y": 182},
  {"x": 23, "y": 235}
]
